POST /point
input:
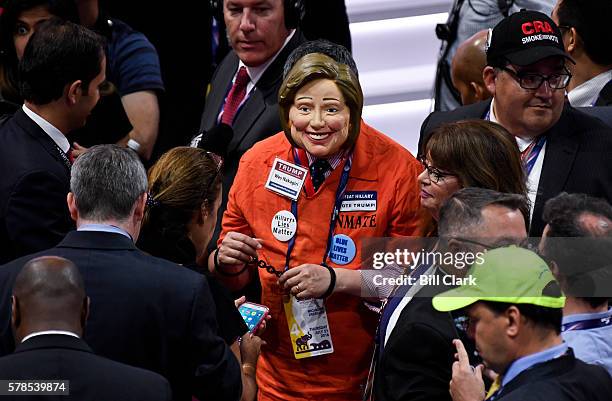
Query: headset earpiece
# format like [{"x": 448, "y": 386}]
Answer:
[{"x": 294, "y": 13}]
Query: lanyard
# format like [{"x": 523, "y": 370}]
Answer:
[
  {"x": 335, "y": 212},
  {"x": 587, "y": 324},
  {"x": 64, "y": 157},
  {"x": 530, "y": 155}
]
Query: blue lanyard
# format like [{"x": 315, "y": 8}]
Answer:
[
  {"x": 335, "y": 212},
  {"x": 536, "y": 149},
  {"x": 587, "y": 324}
]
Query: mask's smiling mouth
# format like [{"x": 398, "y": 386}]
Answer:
[{"x": 318, "y": 136}]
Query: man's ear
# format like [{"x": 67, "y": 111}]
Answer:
[
  {"x": 574, "y": 42},
  {"x": 515, "y": 321},
  {"x": 15, "y": 312},
  {"x": 453, "y": 245},
  {"x": 139, "y": 209},
  {"x": 488, "y": 76},
  {"x": 480, "y": 91},
  {"x": 85, "y": 311},
  {"x": 74, "y": 92},
  {"x": 72, "y": 206}
]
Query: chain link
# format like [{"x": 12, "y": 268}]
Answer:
[{"x": 262, "y": 265}]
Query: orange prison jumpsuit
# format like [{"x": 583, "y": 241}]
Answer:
[{"x": 379, "y": 164}]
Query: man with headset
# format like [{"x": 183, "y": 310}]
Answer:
[{"x": 244, "y": 87}]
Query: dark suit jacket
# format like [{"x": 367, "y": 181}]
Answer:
[
  {"x": 577, "y": 158},
  {"x": 61, "y": 357},
  {"x": 416, "y": 363},
  {"x": 257, "y": 119},
  {"x": 145, "y": 312},
  {"x": 604, "y": 113},
  {"x": 605, "y": 96},
  {"x": 34, "y": 182},
  {"x": 561, "y": 379}
]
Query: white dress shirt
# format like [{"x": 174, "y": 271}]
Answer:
[
  {"x": 533, "y": 180},
  {"x": 47, "y": 332},
  {"x": 255, "y": 73},
  {"x": 55, "y": 134},
  {"x": 586, "y": 94}
]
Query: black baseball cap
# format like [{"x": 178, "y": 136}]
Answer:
[{"x": 524, "y": 38}]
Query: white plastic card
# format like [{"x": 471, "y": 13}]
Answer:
[{"x": 286, "y": 179}]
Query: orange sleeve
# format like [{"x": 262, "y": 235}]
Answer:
[{"x": 233, "y": 217}]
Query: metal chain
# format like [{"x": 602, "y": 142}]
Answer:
[{"x": 262, "y": 265}]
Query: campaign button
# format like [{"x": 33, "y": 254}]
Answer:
[
  {"x": 284, "y": 225},
  {"x": 342, "y": 251}
]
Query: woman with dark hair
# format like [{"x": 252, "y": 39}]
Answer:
[
  {"x": 471, "y": 153},
  {"x": 184, "y": 195},
  {"x": 181, "y": 213},
  {"x": 299, "y": 208}
]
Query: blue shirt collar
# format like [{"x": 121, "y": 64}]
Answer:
[
  {"x": 526, "y": 362},
  {"x": 586, "y": 316},
  {"x": 107, "y": 228}
]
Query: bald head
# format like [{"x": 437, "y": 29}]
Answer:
[
  {"x": 49, "y": 295},
  {"x": 466, "y": 69}
]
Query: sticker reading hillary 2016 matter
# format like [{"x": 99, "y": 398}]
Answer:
[
  {"x": 284, "y": 225},
  {"x": 342, "y": 251},
  {"x": 286, "y": 179}
]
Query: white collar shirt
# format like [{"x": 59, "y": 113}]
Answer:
[
  {"x": 533, "y": 180},
  {"x": 255, "y": 73},
  {"x": 48, "y": 332},
  {"x": 54, "y": 133},
  {"x": 586, "y": 94}
]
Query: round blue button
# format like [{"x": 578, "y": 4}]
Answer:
[{"x": 342, "y": 251}]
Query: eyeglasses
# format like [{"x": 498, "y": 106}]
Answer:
[
  {"x": 435, "y": 175},
  {"x": 524, "y": 243},
  {"x": 532, "y": 80}
]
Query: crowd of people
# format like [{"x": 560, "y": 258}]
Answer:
[{"x": 124, "y": 271}]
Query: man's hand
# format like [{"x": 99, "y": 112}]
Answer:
[
  {"x": 306, "y": 281},
  {"x": 466, "y": 383},
  {"x": 78, "y": 150},
  {"x": 238, "y": 249}
]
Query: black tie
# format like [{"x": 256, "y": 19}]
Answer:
[{"x": 317, "y": 172}]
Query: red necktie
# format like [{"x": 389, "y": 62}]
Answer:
[{"x": 235, "y": 96}]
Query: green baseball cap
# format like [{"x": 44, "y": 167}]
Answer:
[{"x": 513, "y": 275}]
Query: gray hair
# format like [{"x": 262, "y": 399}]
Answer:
[
  {"x": 462, "y": 212},
  {"x": 337, "y": 52},
  {"x": 106, "y": 182}
]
